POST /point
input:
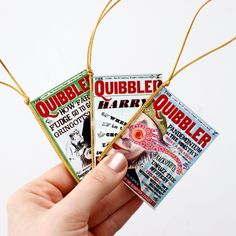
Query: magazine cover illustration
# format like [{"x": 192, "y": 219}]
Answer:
[
  {"x": 64, "y": 115},
  {"x": 116, "y": 100},
  {"x": 161, "y": 145}
]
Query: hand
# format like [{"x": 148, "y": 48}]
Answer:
[{"x": 54, "y": 205}]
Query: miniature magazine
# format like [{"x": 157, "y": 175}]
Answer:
[
  {"x": 116, "y": 100},
  {"x": 64, "y": 115},
  {"x": 161, "y": 145}
]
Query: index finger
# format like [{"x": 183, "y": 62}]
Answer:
[{"x": 60, "y": 178}]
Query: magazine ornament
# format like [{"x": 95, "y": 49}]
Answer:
[
  {"x": 163, "y": 139},
  {"x": 115, "y": 96}
]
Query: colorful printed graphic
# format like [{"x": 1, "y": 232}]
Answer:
[
  {"x": 63, "y": 113},
  {"x": 161, "y": 145},
  {"x": 116, "y": 100}
]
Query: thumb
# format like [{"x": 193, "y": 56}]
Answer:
[{"x": 95, "y": 186}]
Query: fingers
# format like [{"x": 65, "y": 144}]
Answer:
[
  {"x": 51, "y": 186},
  {"x": 60, "y": 178},
  {"x": 95, "y": 186},
  {"x": 110, "y": 204},
  {"x": 113, "y": 224}
]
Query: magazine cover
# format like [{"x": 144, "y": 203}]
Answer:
[
  {"x": 116, "y": 100},
  {"x": 63, "y": 113},
  {"x": 161, "y": 145}
]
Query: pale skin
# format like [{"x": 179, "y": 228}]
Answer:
[
  {"x": 54, "y": 204},
  {"x": 124, "y": 145}
]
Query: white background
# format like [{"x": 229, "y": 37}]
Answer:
[{"x": 44, "y": 43}]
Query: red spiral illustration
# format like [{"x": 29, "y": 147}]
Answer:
[{"x": 149, "y": 139}]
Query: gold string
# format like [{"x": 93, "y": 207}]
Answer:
[
  {"x": 89, "y": 52},
  {"x": 21, "y": 92},
  {"x": 173, "y": 74},
  {"x": 105, "y": 11},
  {"x": 187, "y": 36},
  {"x": 18, "y": 88},
  {"x": 12, "y": 87},
  {"x": 202, "y": 56}
]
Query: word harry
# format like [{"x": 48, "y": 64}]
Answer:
[{"x": 133, "y": 103}]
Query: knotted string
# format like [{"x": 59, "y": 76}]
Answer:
[{"x": 173, "y": 74}]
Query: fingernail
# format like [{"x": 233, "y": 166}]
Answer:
[{"x": 117, "y": 162}]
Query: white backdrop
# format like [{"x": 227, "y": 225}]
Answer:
[{"x": 44, "y": 43}]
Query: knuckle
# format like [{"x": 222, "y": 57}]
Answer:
[
  {"x": 113, "y": 226},
  {"x": 99, "y": 177},
  {"x": 109, "y": 228},
  {"x": 106, "y": 207}
]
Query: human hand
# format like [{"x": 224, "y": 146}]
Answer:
[{"x": 54, "y": 205}]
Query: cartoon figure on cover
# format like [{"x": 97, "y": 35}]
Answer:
[
  {"x": 78, "y": 149},
  {"x": 143, "y": 141}
]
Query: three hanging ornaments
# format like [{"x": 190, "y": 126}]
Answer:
[{"x": 87, "y": 118}]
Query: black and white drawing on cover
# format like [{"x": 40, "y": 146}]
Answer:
[{"x": 78, "y": 148}]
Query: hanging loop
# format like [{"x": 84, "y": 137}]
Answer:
[
  {"x": 105, "y": 11},
  {"x": 174, "y": 73}
]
